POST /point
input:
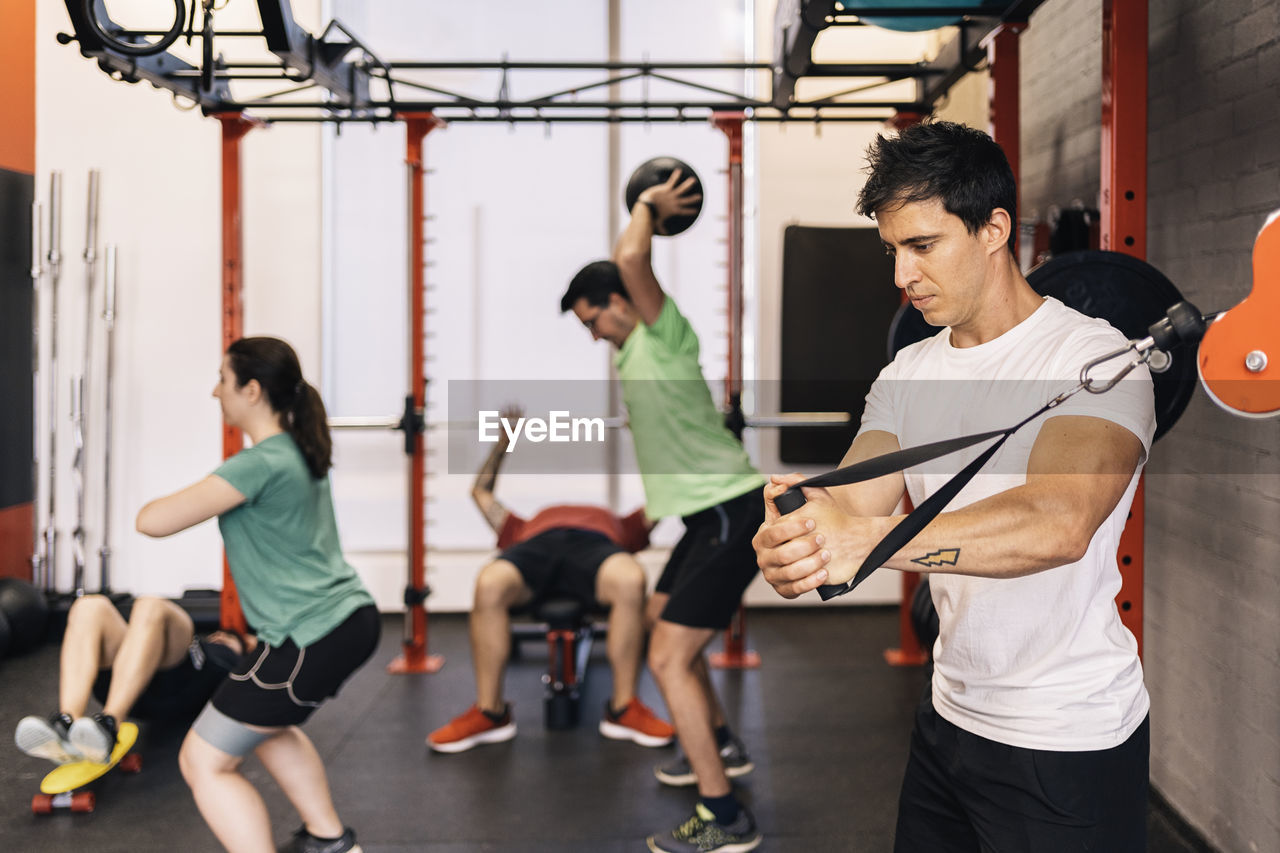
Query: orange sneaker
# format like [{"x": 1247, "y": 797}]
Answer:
[
  {"x": 472, "y": 728},
  {"x": 636, "y": 723}
]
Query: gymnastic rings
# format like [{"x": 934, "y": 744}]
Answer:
[{"x": 131, "y": 42}]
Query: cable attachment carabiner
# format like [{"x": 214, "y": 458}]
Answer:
[
  {"x": 1182, "y": 324},
  {"x": 1142, "y": 350}
]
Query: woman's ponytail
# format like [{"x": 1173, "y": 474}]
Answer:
[
  {"x": 309, "y": 426},
  {"x": 274, "y": 364}
]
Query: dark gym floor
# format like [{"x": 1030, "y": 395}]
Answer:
[{"x": 825, "y": 720}]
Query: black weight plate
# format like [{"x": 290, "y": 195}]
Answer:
[{"x": 1128, "y": 293}]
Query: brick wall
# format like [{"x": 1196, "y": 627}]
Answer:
[
  {"x": 1212, "y": 633},
  {"x": 1213, "y": 547},
  {"x": 1061, "y": 101}
]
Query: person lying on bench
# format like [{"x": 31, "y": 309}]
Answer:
[
  {"x": 582, "y": 552},
  {"x": 154, "y": 667}
]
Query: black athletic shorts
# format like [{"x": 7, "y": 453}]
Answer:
[
  {"x": 563, "y": 561},
  {"x": 966, "y": 794},
  {"x": 282, "y": 685},
  {"x": 713, "y": 563},
  {"x": 179, "y": 691}
]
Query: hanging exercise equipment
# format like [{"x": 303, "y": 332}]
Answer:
[{"x": 136, "y": 44}]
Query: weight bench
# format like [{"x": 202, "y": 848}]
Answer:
[{"x": 569, "y": 630}]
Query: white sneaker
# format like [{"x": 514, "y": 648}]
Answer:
[
  {"x": 94, "y": 737},
  {"x": 47, "y": 738}
]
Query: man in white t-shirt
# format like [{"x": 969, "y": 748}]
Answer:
[{"x": 1034, "y": 734}]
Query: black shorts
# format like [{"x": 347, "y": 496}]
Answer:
[
  {"x": 563, "y": 561},
  {"x": 966, "y": 794},
  {"x": 713, "y": 563},
  {"x": 282, "y": 685},
  {"x": 177, "y": 692}
]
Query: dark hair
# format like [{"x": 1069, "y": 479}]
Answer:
[
  {"x": 594, "y": 282},
  {"x": 961, "y": 167},
  {"x": 274, "y": 364}
]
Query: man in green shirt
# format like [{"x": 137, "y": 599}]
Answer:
[{"x": 694, "y": 467}]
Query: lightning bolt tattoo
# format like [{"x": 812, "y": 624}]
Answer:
[{"x": 945, "y": 557}]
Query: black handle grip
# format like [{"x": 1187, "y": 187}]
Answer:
[
  {"x": 829, "y": 591},
  {"x": 789, "y": 501}
]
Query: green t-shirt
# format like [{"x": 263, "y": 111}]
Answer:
[
  {"x": 282, "y": 546},
  {"x": 689, "y": 461}
]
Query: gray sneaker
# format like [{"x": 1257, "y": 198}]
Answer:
[
  {"x": 47, "y": 738},
  {"x": 305, "y": 842},
  {"x": 679, "y": 774},
  {"x": 701, "y": 834}
]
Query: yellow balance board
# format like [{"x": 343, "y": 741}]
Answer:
[{"x": 68, "y": 777}]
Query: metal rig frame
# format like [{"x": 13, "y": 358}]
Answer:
[{"x": 355, "y": 85}]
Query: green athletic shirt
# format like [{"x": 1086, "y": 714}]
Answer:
[
  {"x": 689, "y": 461},
  {"x": 282, "y": 546}
]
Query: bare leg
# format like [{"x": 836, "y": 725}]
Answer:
[
  {"x": 652, "y": 615},
  {"x": 620, "y": 584},
  {"x": 499, "y": 587},
  {"x": 673, "y": 650},
  {"x": 94, "y": 632},
  {"x": 700, "y": 667},
  {"x": 228, "y": 803},
  {"x": 653, "y": 610},
  {"x": 293, "y": 762},
  {"x": 157, "y": 637}
]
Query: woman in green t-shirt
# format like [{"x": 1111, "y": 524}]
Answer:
[{"x": 316, "y": 621}]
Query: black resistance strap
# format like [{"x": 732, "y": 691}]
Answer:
[{"x": 1184, "y": 323}]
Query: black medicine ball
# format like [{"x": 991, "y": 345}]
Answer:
[
  {"x": 5, "y": 635},
  {"x": 25, "y": 609},
  {"x": 657, "y": 171}
]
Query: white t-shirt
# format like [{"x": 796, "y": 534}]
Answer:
[{"x": 1041, "y": 661}]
